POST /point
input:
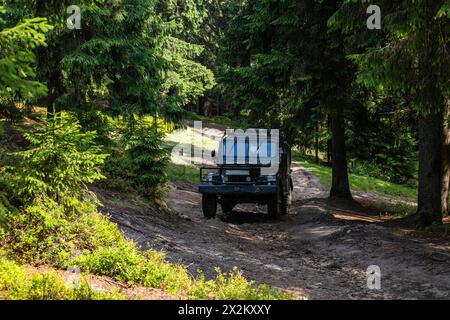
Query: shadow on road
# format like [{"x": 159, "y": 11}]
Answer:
[{"x": 241, "y": 217}]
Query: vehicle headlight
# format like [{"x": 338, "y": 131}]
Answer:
[{"x": 271, "y": 179}]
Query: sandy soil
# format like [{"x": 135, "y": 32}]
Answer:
[{"x": 320, "y": 251}]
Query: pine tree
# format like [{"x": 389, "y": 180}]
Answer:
[
  {"x": 17, "y": 59},
  {"x": 284, "y": 68},
  {"x": 409, "y": 57}
]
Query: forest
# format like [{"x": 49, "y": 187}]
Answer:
[{"x": 95, "y": 94}]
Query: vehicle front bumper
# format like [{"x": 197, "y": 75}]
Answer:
[{"x": 224, "y": 189}]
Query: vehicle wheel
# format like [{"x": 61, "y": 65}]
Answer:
[
  {"x": 285, "y": 204},
  {"x": 227, "y": 206},
  {"x": 209, "y": 206},
  {"x": 286, "y": 201},
  {"x": 274, "y": 206}
]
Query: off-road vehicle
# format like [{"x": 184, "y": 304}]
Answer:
[{"x": 255, "y": 168}]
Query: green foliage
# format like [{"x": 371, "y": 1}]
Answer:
[
  {"x": 399, "y": 171},
  {"x": 179, "y": 172},
  {"x": 223, "y": 120},
  {"x": 18, "y": 283},
  {"x": 147, "y": 160},
  {"x": 441, "y": 229},
  {"x": 358, "y": 181},
  {"x": 409, "y": 56},
  {"x": 130, "y": 57},
  {"x": 95, "y": 244},
  {"x": 232, "y": 286},
  {"x": 184, "y": 45},
  {"x": 294, "y": 73},
  {"x": 282, "y": 71},
  {"x": 126, "y": 263},
  {"x": 48, "y": 183},
  {"x": 42, "y": 234},
  {"x": 59, "y": 163},
  {"x": 45, "y": 232},
  {"x": 7, "y": 211},
  {"x": 92, "y": 120},
  {"x": 139, "y": 161},
  {"x": 17, "y": 57},
  {"x": 407, "y": 60},
  {"x": 444, "y": 10},
  {"x": 381, "y": 142}
]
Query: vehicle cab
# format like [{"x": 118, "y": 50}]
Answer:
[{"x": 251, "y": 167}]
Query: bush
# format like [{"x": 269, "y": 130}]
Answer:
[
  {"x": 48, "y": 184},
  {"x": 44, "y": 233},
  {"x": 232, "y": 286},
  {"x": 147, "y": 161},
  {"x": 59, "y": 163},
  {"x": 139, "y": 162},
  {"x": 128, "y": 264},
  {"x": 395, "y": 171},
  {"x": 58, "y": 222},
  {"x": 2, "y": 130},
  {"x": 17, "y": 283},
  {"x": 7, "y": 211},
  {"x": 91, "y": 120}
]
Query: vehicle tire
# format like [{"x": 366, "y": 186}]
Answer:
[
  {"x": 274, "y": 206},
  {"x": 286, "y": 200},
  {"x": 227, "y": 206},
  {"x": 285, "y": 206},
  {"x": 209, "y": 206}
]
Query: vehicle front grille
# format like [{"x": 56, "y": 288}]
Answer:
[{"x": 238, "y": 179}]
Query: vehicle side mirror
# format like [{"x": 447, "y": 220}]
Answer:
[{"x": 213, "y": 154}]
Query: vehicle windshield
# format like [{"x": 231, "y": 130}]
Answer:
[{"x": 246, "y": 152}]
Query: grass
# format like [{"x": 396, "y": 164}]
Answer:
[
  {"x": 128, "y": 264},
  {"x": 180, "y": 167},
  {"x": 103, "y": 250},
  {"x": 17, "y": 282},
  {"x": 74, "y": 233},
  {"x": 42, "y": 235},
  {"x": 357, "y": 182},
  {"x": 96, "y": 245},
  {"x": 442, "y": 230},
  {"x": 396, "y": 210},
  {"x": 220, "y": 120},
  {"x": 179, "y": 172}
]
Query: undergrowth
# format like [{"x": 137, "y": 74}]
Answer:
[{"x": 51, "y": 218}]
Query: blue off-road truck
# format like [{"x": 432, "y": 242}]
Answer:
[{"x": 254, "y": 167}]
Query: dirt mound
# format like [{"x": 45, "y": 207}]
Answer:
[{"x": 311, "y": 211}]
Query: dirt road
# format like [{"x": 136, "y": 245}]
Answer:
[{"x": 320, "y": 251}]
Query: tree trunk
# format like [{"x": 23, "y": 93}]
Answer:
[
  {"x": 340, "y": 186},
  {"x": 54, "y": 90},
  {"x": 446, "y": 164},
  {"x": 329, "y": 142},
  {"x": 78, "y": 91},
  {"x": 430, "y": 169},
  {"x": 431, "y": 139},
  {"x": 316, "y": 143}
]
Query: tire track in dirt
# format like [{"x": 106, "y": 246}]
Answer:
[{"x": 310, "y": 252}]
